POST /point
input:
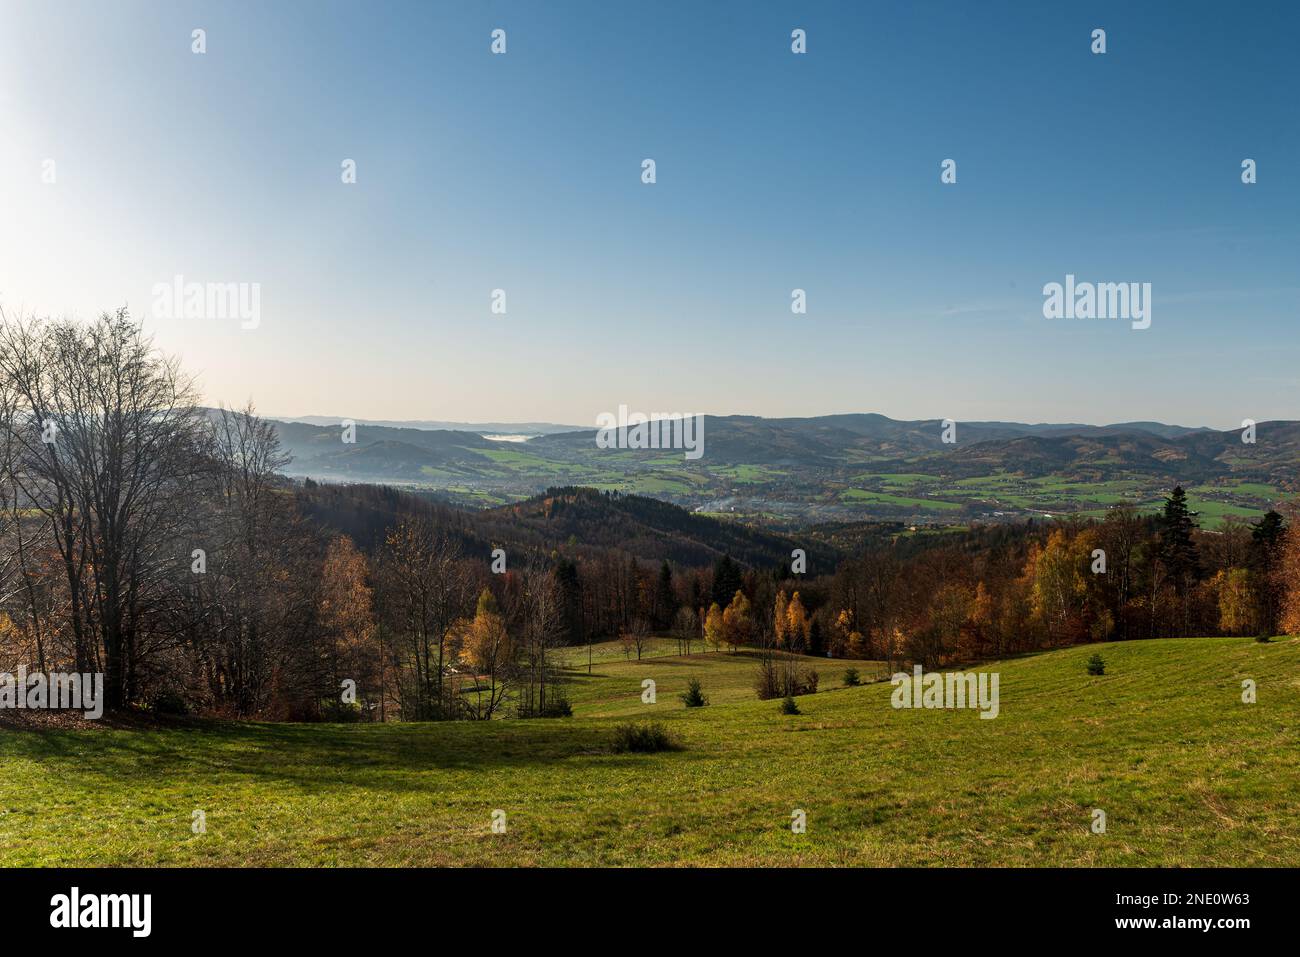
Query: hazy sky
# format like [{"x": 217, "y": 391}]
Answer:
[{"x": 775, "y": 171}]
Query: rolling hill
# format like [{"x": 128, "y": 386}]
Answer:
[
  {"x": 792, "y": 472},
  {"x": 571, "y": 520},
  {"x": 1186, "y": 773}
]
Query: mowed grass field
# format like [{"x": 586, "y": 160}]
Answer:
[{"x": 1186, "y": 773}]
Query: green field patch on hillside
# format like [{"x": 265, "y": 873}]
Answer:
[
  {"x": 867, "y": 497},
  {"x": 518, "y": 459},
  {"x": 649, "y": 483},
  {"x": 997, "y": 479},
  {"x": 433, "y": 473},
  {"x": 896, "y": 480},
  {"x": 750, "y": 474},
  {"x": 1211, "y": 513},
  {"x": 1254, "y": 491}
]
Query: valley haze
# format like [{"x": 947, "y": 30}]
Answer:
[{"x": 788, "y": 471}]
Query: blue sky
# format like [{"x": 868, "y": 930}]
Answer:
[{"x": 775, "y": 171}]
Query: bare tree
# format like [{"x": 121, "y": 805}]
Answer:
[
  {"x": 423, "y": 591},
  {"x": 636, "y": 636},
  {"x": 107, "y": 435},
  {"x": 540, "y": 618},
  {"x": 686, "y": 626}
]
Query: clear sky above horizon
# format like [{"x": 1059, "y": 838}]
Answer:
[{"x": 775, "y": 171}]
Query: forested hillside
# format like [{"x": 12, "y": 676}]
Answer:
[
  {"x": 161, "y": 544},
  {"x": 840, "y": 467}
]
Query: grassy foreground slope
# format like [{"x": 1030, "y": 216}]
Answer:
[{"x": 1186, "y": 773}]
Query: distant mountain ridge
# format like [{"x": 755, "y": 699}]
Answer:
[
  {"x": 410, "y": 454},
  {"x": 496, "y": 428},
  {"x": 754, "y": 439},
  {"x": 792, "y": 471}
]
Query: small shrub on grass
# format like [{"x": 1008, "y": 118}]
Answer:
[
  {"x": 1096, "y": 665},
  {"x": 557, "y": 706},
  {"x": 780, "y": 678},
  {"x": 851, "y": 678},
  {"x": 767, "y": 681},
  {"x": 642, "y": 738},
  {"x": 790, "y": 706},
  {"x": 171, "y": 703},
  {"x": 693, "y": 696},
  {"x": 339, "y": 712}
]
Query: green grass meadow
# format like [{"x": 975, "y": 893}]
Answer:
[{"x": 1186, "y": 773}]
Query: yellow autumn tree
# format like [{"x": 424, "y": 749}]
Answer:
[
  {"x": 1059, "y": 591},
  {"x": 737, "y": 623},
  {"x": 780, "y": 625},
  {"x": 845, "y": 639},
  {"x": 347, "y": 619},
  {"x": 713, "y": 631},
  {"x": 1237, "y": 605},
  {"x": 484, "y": 645},
  {"x": 979, "y": 636},
  {"x": 797, "y": 624}
]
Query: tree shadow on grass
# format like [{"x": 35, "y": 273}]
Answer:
[{"x": 386, "y": 757}]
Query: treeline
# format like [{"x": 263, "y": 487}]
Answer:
[
  {"x": 157, "y": 542},
  {"x": 1127, "y": 576},
  {"x": 149, "y": 540}
]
